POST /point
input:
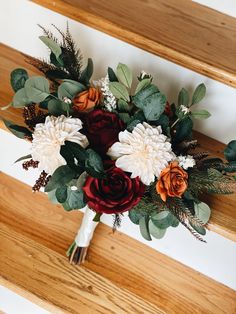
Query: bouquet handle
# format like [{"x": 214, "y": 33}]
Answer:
[{"x": 78, "y": 250}]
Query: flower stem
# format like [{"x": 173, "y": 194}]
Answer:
[{"x": 175, "y": 123}]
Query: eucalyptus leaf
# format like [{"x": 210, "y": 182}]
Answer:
[
  {"x": 52, "y": 197},
  {"x": 143, "y": 226},
  {"x": 52, "y": 45},
  {"x": 57, "y": 107},
  {"x": 163, "y": 219},
  {"x": 123, "y": 106},
  {"x": 199, "y": 229},
  {"x": 61, "y": 194},
  {"x": 202, "y": 211},
  {"x": 77, "y": 151},
  {"x": 134, "y": 216},
  {"x": 37, "y": 89},
  {"x": 93, "y": 164},
  {"x": 155, "y": 231},
  {"x": 75, "y": 199},
  {"x": 200, "y": 114},
  {"x": 143, "y": 84},
  {"x": 18, "y": 79},
  {"x": 119, "y": 91},
  {"x": 60, "y": 177},
  {"x": 183, "y": 130},
  {"x": 124, "y": 116},
  {"x": 183, "y": 98},
  {"x": 230, "y": 151},
  {"x": 17, "y": 130},
  {"x": 124, "y": 74},
  {"x": 87, "y": 72},
  {"x": 69, "y": 89},
  {"x": 20, "y": 99},
  {"x": 111, "y": 75},
  {"x": 199, "y": 94}
]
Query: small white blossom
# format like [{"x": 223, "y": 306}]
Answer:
[
  {"x": 67, "y": 100},
  {"x": 184, "y": 109},
  {"x": 109, "y": 98},
  {"x": 73, "y": 188},
  {"x": 48, "y": 138},
  {"x": 186, "y": 161},
  {"x": 144, "y": 153}
]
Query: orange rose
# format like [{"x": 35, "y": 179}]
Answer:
[
  {"x": 172, "y": 181},
  {"x": 86, "y": 100}
]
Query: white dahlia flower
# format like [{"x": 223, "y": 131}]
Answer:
[
  {"x": 48, "y": 138},
  {"x": 144, "y": 153},
  {"x": 186, "y": 161}
]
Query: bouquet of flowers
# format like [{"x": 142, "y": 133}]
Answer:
[{"x": 115, "y": 145}]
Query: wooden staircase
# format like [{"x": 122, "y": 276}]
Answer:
[{"x": 121, "y": 275}]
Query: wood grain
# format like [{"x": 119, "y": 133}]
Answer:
[
  {"x": 182, "y": 31},
  {"x": 223, "y": 220},
  {"x": 41, "y": 229},
  {"x": 50, "y": 277}
]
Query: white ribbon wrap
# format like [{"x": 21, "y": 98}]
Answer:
[{"x": 86, "y": 229}]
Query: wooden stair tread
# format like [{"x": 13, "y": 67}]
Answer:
[
  {"x": 34, "y": 235},
  {"x": 184, "y": 32},
  {"x": 58, "y": 286},
  {"x": 223, "y": 220}
]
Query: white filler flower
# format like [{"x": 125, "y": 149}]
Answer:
[
  {"x": 186, "y": 161},
  {"x": 144, "y": 153},
  {"x": 48, "y": 138}
]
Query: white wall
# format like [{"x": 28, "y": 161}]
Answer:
[{"x": 18, "y": 29}]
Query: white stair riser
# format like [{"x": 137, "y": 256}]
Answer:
[{"x": 22, "y": 33}]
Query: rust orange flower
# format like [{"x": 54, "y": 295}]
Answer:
[
  {"x": 172, "y": 181},
  {"x": 86, "y": 100}
]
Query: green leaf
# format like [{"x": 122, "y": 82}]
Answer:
[
  {"x": 37, "y": 88},
  {"x": 143, "y": 84},
  {"x": 58, "y": 62},
  {"x": 93, "y": 164},
  {"x": 199, "y": 94},
  {"x": 20, "y": 99},
  {"x": 199, "y": 229},
  {"x": 163, "y": 219},
  {"x": 17, "y": 130},
  {"x": 97, "y": 217},
  {"x": 60, "y": 177},
  {"x": 183, "y": 98},
  {"x": 124, "y": 74},
  {"x": 75, "y": 199},
  {"x": 124, "y": 116},
  {"x": 61, "y": 194},
  {"x": 18, "y": 79},
  {"x": 230, "y": 151},
  {"x": 202, "y": 211},
  {"x": 69, "y": 89},
  {"x": 123, "y": 106},
  {"x": 135, "y": 216},
  {"x": 200, "y": 114},
  {"x": 52, "y": 45},
  {"x": 57, "y": 107},
  {"x": 183, "y": 130},
  {"x": 131, "y": 125},
  {"x": 52, "y": 197},
  {"x": 23, "y": 158},
  {"x": 112, "y": 76},
  {"x": 155, "y": 231},
  {"x": 144, "y": 230},
  {"x": 119, "y": 90},
  {"x": 77, "y": 151},
  {"x": 151, "y": 101},
  {"x": 87, "y": 72}
]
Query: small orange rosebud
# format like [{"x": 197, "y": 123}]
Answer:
[
  {"x": 172, "y": 181},
  {"x": 86, "y": 100}
]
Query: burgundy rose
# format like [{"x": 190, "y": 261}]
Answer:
[
  {"x": 114, "y": 194},
  {"x": 102, "y": 129}
]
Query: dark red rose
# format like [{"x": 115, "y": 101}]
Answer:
[
  {"x": 114, "y": 194},
  {"x": 102, "y": 129}
]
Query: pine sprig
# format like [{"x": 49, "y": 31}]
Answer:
[
  {"x": 184, "y": 215},
  {"x": 211, "y": 181}
]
